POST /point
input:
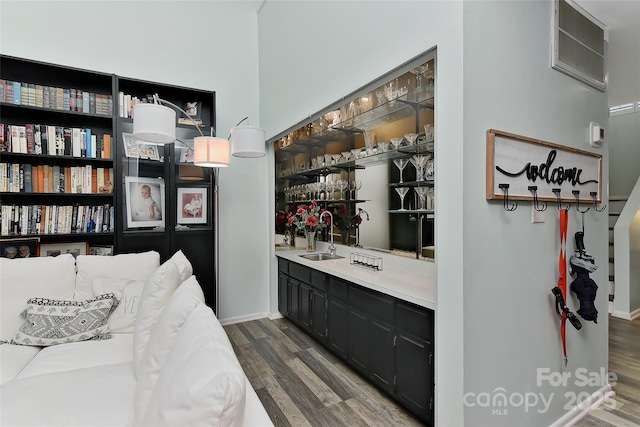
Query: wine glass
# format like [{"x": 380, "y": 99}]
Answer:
[
  {"x": 411, "y": 138},
  {"x": 342, "y": 185},
  {"x": 396, "y": 142},
  {"x": 356, "y": 152},
  {"x": 355, "y": 186},
  {"x": 419, "y": 162},
  {"x": 422, "y": 196},
  {"x": 402, "y": 191},
  {"x": 383, "y": 146},
  {"x": 401, "y": 164},
  {"x": 331, "y": 188}
]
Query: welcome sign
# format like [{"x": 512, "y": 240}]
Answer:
[{"x": 522, "y": 162}]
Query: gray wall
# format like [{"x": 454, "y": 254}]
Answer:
[
  {"x": 624, "y": 145},
  {"x": 495, "y": 322},
  {"x": 510, "y": 265}
]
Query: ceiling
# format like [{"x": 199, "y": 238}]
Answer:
[{"x": 622, "y": 19}]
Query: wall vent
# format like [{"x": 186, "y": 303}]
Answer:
[{"x": 579, "y": 44}]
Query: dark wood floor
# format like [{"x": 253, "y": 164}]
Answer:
[
  {"x": 302, "y": 384},
  {"x": 624, "y": 360}
]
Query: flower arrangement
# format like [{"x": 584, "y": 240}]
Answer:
[{"x": 307, "y": 218}]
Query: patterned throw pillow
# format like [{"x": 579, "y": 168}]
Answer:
[{"x": 51, "y": 322}]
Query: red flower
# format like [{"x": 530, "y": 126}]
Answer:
[
  {"x": 290, "y": 220},
  {"x": 312, "y": 221},
  {"x": 301, "y": 210}
]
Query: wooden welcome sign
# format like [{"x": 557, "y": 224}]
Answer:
[{"x": 522, "y": 162}]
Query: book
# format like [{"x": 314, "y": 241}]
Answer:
[
  {"x": 59, "y": 98},
  {"x": 52, "y": 141},
  {"x": 23, "y": 139},
  {"x": 28, "y": 188},
  {"x": 4, "y": 146},
  {"x": 31, "y": 145},
  {"x": 39, "y": 92},
  {"x": 76, "y": 143},
  {"x": 68, "y": 141},
  {"x": 34, "y": 178},
  {"x": 92, "y": 103},
  {"x": 37, "y": 139},
  {"x": 85, "y": 102},
  {"x": 41, "y": 176},
  {"x": 66, "y": 99},
  {"x": 90, "y": 152},
  {"x": 107, "y": 146}
]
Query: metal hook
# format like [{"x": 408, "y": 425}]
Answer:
[
  {"x": 556, "y": 191},
  {"x": 505, "y": 189},
  {"x": 595, "y": 202},
  {"x": 536, "y": 206},
  {"x": 576, "y": 193}
]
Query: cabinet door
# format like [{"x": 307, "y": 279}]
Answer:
[
  {"x": 319, "y": 315},
  {"x": 359, "y": 340},
  {"x": 283, "y": 294},
  {"x": 337, "y": 319},
  {"x": 305, "y": 306},
  {"x": 294, "y": 299},
  {"x": 414, "y": 370},
  {"x": 382, "y": 354}
]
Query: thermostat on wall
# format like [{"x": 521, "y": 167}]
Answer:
[{"x": 596, "y": 134}]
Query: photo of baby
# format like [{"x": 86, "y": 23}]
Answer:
[
  {"x": 192, "y": 205},
  {"x": 145, "y": 202}
]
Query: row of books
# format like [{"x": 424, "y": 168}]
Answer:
[
  {"x": 55, "y": 141},
  {"x": 56, "y": 219},
  {"x": 27, "y": 178},
  {"x": 57, "y": 98}
]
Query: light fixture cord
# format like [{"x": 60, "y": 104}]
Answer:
[{"x": 164, "y": 101}]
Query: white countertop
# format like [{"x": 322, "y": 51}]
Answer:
[{"x": 407, "y": 279}]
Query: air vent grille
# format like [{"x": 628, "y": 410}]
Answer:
[{"x": 579, "y": 45}]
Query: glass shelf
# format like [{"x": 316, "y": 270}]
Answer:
[
  {"x": 426, "y": 183},
  {"x": 301, "y": 202},
  {"x": 428, "y": 213}
]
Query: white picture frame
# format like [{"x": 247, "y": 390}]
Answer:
[
  {"x": 135, "y": 148},
  {"x": 192, "y": 203},
  {"x": 139, "y": 207}
]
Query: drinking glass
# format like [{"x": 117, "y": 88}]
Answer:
[
  {"x": 428, "y": 132},
  {"x": 401, "y": 164},
  {"x": 396, "y": 142},
  {"x": 422, "y": 197},
  {"x": 402, "y": 191},
  {"x": 346, "y": 155},
  {"x": 355, "y": 186},
  {"x": 356, "y": 152},
  {"x": 411, "y": 138},
  {"x": 369, "y": 138},
  {"x": 420, "y": 162},
  {"x": 383, "y": 146},
  {"x": 342, "y": 185}
]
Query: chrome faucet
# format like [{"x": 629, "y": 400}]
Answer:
[
  {"x": 287, "y": 239},
  {"x": 332, "y": 248},
  {"x": 359, "y": 214}
]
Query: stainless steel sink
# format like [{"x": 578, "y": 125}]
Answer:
[{"x": 320, "y": 256}]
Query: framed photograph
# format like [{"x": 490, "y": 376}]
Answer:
[
  {"x": 101, "y": 250},
  {"x": 19, "y": 248},
  {"x": 137, "y": 149},
  {"x": 55, "y": 249},
  {"x": 144, "y": 201},
  {"x": 192, "y": 204},
  {"x": 193, "y": 109}
]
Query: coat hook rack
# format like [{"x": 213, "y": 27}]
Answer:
[
  {"x": 505, "y": 190},
  {"x": 536, "y": 205},
  {"x": 556, "y": 191},
  {"x": 594, "y": 194},
  {"x": 576, "y": 193}
]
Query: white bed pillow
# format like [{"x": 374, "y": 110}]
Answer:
[
  {"x": 201, "y": 382},
  {"x": 163, "y": 334},
  {"x": 184, "y": 266},
  {"x": 128, "y": 292},
  {"x": 156, "y": 292}
]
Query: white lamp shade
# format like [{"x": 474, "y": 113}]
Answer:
[
  {"x": 247, "y": 141},
  {"x": 154, "y": 123},
  {"x": 210, "y": 152}
]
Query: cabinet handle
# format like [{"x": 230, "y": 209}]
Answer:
[
  {"x": 431, "y": 358},
  {"x": 394, "y": 340}
]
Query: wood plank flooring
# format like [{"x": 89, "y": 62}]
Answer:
[
  {"x": 624, "y": 360},
  {"x": 300, "y": 383}
]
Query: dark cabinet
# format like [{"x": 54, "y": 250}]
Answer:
[
  {"x": 389, "y": 341},
  {"x": 414, "y": 359},
  {"x": 284, "y": 304}
]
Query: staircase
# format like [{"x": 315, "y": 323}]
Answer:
[{"x": 615, "y": 208}]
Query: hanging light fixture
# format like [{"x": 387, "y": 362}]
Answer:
[
  {"x": 154, "y": 123},
  {"x": 247, "y": 141},
  {"x": 210, "y": 152}
]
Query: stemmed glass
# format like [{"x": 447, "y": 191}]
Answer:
[
  {"x": 402, "y": 191},
  {"x": 396, "y": 142},
  {"x": 411, "y": 138},
  {"x": 419, "y": 162},
  {"x": 342, "y": 185},
  {"x": 369, "y": 138},
  {"x": 331, "y": 187},
  {"x": 401, "y": 164},
  {"x": 355, "y": 186},
  {"x": 422, "y": 195}
]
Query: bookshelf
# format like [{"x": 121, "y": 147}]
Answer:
[
  {"x": 56, "y": 165},
  {"x": 66, "y": 177}
]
